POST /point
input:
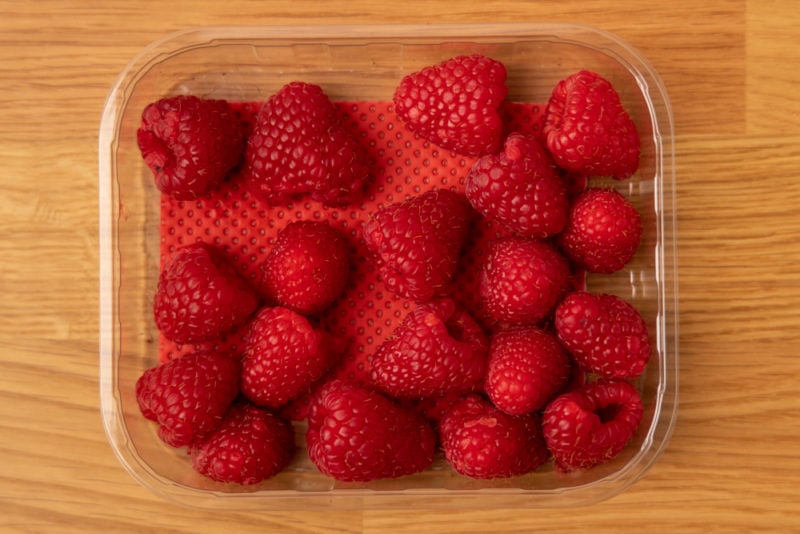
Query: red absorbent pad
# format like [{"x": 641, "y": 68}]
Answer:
[{"x": 403, "y": 165}]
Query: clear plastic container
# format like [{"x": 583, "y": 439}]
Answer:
[{"x": 366, "y": 63}]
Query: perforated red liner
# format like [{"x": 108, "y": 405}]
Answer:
[{"x": 402, "y": 165}]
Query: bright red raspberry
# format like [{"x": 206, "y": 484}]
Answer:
[
  {"x": 603, "y": 232},
  {"x": 481, "y": 441},
  {"x": 190, "y": 144},
  {"x": 299, "y": 146},
  {"x": 250, "y": 445},
  {"x": 592, "y": 424},
  {"x": 587, "y": 130},
  {"x": 522, "y": 280},
  {"x": 455, "y": 104},
  {"x": 188, "y": 396},
  {"x": 200, "y": 295},
  {"x": 284, "y": 355},
  {"x": 519, "y": 188},
  {"x": 527, "y": 368},
  {"x": 605, "y": 334},
  {"x": 418, "y": 242},
  {"x": 307, "y": 268},
  {"x": 437, "y": 349},
  {"x": 358, "y": 434}
]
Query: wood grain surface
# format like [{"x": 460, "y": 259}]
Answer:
[{"x": 732, "y": 68}]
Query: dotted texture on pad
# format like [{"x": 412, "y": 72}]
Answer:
[{"x": 403, "y": 165}]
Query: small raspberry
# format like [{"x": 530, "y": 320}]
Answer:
[
  {"x": 455, "y": 104},
  {"x": 604, "y": 333},
  {"x": 591, "y": 425},
  {"x": 188, "y": 396},
  {"x": 190, "y": 144},
  {"x": 480, "y": 441},
  {"x": 587, "y": 129},
  {"x": 357, "y": 434},
  {"x": 437, "y": 349}
]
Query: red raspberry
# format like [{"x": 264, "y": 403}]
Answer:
[
  {"x": 522, "y": 280},
  {"x": 519, "y": 188},
  {"x": 480, "y": 441},
  {"x": 603, "y": 231},
  {"x": 190, "y": 144},
  {"x": 358, "y": 434},
  {"x": 308, "y": 267},
  {"x": 299, "y": 146},
  {"x": 588, "y": 130},
  {"x": 250, "y": 445},
  {"x": 418, "y": 242},
  {"x": 527, "y": 368},
  {"x": 283, "y": 355},
  {"x": 455, "y": 104},
  {"x": 437, "y": 349},
  {"x": 188, "y": 396},
  {"x": 200, "y": 295},
  {"x": 604, "y": 333},
  {"x": 592, "y": 424}
]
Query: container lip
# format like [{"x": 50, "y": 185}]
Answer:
[{"x": 109, "y": 210}]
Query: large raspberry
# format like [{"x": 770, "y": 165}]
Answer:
[
  {"x": 418, "y": 242},
  {"x": 455, "y": 104},
  {"x": 300, "y": 147},
  {"x": 587, "y": 129},
  {"x": 438, "y": 349},
  {"x": 190, "y": 144},
  {"x": 357, "y": 434},
  {"x": 519, "y": 188}
]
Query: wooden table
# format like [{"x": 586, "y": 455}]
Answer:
[{"x": 732, "y": 69}]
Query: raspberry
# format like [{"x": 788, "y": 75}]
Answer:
[
  {"x": 527, "y": 368},
  {"x": 190, "y": 144},
  {"x": 357, "y": 434},
  {"x": 308, "y": 267},
  {"x": 519, "y": 188},
  {"x": 603, "y": 231},
  {"x": 522, "y": 280},
  {"x": 588, "y": 131},
  {"x": 299, "y": 146},
  {"x": 200, "y": 295},
  {"x": 591, "y": 425},
  {"x": 455, "y": 104},
  {"x": 188, "y": 396},
  {"x": 283, "y": 356},
  {"x": 604, "y": 333},
  {"x": 418, "y": 242},
  {"x": 480, "y": 441},
  {"x": 438, "y": 349},
  {"x": 250, "y": 445}
]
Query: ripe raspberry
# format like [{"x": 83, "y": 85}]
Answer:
[
  {"x": 188, "y": 396},
  {"x": 604, "y": 333},
  {"x": 587, "y": 129},
  {"x": 480, "y": 441},
  {"x": 299, "y": 146},
  {"x": 603, "y": 231},
  {"x": 592, "y": 424},
  {"x": 200, "y": 295},
  {"x": 358, "y": 434},
  {"x": 418, "y": 243},
  {"x": 455, "y": 104},
  {"x": 527, "y": 368},
  {"x": 437, "y": 349},
  {"x": 190, "y": 144},
  {"x": 519, "y": 188},
  {"x": 283, "y": 355},
  {"x": 250, "y": 445},
  {"x": 307, "y": 268},
  {"x": 522, "y": 280}
]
